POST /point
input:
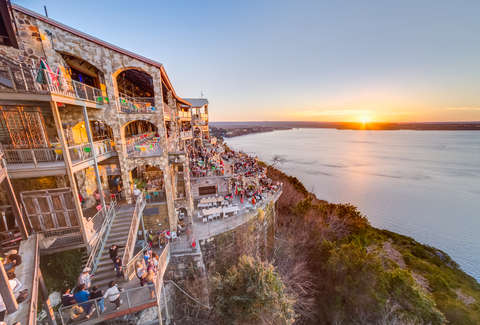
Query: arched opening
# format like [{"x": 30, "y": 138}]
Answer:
[
  {"x": 85, "y": 80},
  {"x": 149, "y": 180},
  {"x": 135, "y": 91},
  {"x": 77, "y": 133},
  {"x": 142, "y": 139}
]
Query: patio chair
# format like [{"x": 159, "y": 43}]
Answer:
[
  {"x": 204, "y": 219},
  {"x": 210, "y": 217}
]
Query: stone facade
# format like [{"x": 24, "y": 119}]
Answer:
[{"x": 41, "y": 38}]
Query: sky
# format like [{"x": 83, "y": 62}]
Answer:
[{"x": 384, "y": 61}]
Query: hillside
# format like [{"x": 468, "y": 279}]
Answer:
[{"x": 341, "y": 270}]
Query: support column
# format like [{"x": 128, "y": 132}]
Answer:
[
  {"x": 71, "y": 177},
  {"x": 94, "y": 155},
  {"x": 46, "y": 301},
  {"x": 169, "y": 193},
  {"x": 17, "y": 212}
]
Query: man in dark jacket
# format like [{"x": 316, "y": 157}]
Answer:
[
  {"x": 67, "y": 298},
  {"x": 113, "y": 251}
]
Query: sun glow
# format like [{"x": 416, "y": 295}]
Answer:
[{"x": 365, "y": 119}]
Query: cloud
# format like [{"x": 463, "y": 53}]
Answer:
[{"x": 464, "y": 108}]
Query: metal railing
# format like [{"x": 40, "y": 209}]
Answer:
[
  {"x": 244, "y": 214},
  {"x": 84, "y": 151},
  {"x": 132, "y": 233},
  {"x": 19, "y": 78},
  {"x": 61, "y": 85},
  {"x": 101, "y": 239},
  {"x": 31, "y": 155},
  {"x": 129, "y": 300},
  {"x": 129, "y": 268},
  {"x": 129, "y": 104},
  {"x": 186, "y": 134}
]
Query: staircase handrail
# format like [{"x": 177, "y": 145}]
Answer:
[
  {"x": 97, "y": 249},
  {"x": 132, "y": 232}
]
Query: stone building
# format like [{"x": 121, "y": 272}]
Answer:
[{"x": 97, "y": 143}]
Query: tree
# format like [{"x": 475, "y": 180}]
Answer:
[{"x": 251, "y": 292}]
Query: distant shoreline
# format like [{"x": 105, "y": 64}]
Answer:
[{"x": 232, "y": 129}]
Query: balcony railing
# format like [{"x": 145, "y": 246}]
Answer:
[
  {"x": 137, "y": 105},
  {"x": 17, "y": 78},
  {"x": 84, "y": 151},
  {"x": 31, "y": 156},
  {"x": 60, "y": 85},
  {"x": 185, "y": 114},
  {"x": 144, "y": 145},
  {"x": 186, "y": 134}
]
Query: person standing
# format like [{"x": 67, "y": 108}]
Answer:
[
  {"x": 85, "y": 278},
  {"x": 140, "y": 272},
  {"x": 113, "y": 294},
  {"x": 117, "y": 264},
  {"x": 113, "y": 251},
  {"x": 96, "y": 293}
]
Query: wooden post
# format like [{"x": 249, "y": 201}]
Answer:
[
  {"x": 94, "y": 156},
  {"x": 46, "y": 301},
  {"x": 71, "y": 176},
  {"x": 17, "y": 212},
  {"x": 6, "y": 292}
]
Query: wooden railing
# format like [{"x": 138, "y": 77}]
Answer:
[
  {"x": 32, "y": 312},
  {"x": 31, "y": 155},
  {"x": 132, "y": 233},
  {"x": 164, "y": 258},
  {"x": 134, "y": 105},
  {"x": 185, "y": 115}
]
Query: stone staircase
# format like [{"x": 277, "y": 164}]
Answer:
[{"x": 118, "y": 235}]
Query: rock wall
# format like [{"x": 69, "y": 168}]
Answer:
[{"x": 192, "y": 271}]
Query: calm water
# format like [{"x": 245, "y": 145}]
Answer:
[{"x": 424, "y": 184}]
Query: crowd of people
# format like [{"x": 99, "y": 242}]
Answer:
[{"x": 146, "y": 270}]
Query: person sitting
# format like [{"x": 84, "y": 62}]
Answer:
[{"x": 67, "y": 298}]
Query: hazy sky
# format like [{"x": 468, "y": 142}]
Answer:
[{"x": 302, "y": 60}]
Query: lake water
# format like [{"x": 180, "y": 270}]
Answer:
[{"x": 424, "y": 184}]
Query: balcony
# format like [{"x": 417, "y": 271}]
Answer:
[
  {"x": 38, "y": 162},
  {"x": 185, "y": 115},
  {"x": 144, "y": 145},
  {"x": 136, "y": 105},
  {"x": 24, "y": 83},
  {"x": 184, "y": 135}
]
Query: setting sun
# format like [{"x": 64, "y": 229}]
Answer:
[{"x": 365, "y": 119}]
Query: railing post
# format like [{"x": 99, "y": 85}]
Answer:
[{"x": 33, "y": 157}]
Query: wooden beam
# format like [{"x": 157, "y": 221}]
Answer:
[
  {"x": 6, "y": 292},
  {"x": 71, "y": 176}
]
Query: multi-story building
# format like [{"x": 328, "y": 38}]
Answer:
[
  {"x": 96, "y": 145},
  {"x": 84, "y": 125}
]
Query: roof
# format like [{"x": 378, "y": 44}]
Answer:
[
  {"x": 197, "y": 102},
  {"x": 100, "y": 42}
]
